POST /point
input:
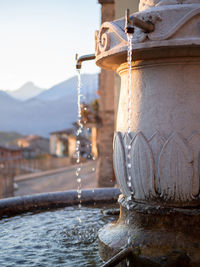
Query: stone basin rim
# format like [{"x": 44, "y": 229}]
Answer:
[
  {"x": 46, "y": 201},
  {"x": 112, "y": 60}
]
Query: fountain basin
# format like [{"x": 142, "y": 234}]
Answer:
[
  {"x": 44, "y": 229},
  {"x": 17, "y": 205}
]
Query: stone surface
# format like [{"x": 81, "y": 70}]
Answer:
[
  {"x": 164, "y": 130},
  {"x": 165, "y": 100},
  {"x": 175, "y": 26},
  {"x": 17, "y": 205},
  {"x": 157, "y": 231}
]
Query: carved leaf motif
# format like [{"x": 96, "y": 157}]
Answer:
[
  {"x": 142, "y": 168},
  {"x": 194, "y": 142},
  {"x": 176, "y": 170},
  {"x": 156, "y": 143},
  {"x": 119, "y": 161},
  {"x": 127, "y": 141},
  {"x": 127, "y": 144}
]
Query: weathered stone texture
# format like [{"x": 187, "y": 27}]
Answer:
[
  {"x": 105, "y": 163},
  {"x": 157, "y": 144}
]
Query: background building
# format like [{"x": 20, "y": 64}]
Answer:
[{"x": 38, "y": 145}]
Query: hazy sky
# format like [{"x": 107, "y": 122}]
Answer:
[{"x": 39, "y": 39}]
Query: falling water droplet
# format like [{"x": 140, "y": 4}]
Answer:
[
  {"x": 129, "y": 198},
  {"x": 129, "y": 165},
  {"x": 79, "y": 191}
]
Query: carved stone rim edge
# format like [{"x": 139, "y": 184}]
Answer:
[
  {"x": 159, "y": 207},
  {"x": 159, "y": 62},
  {"x": 115, "y": 57}
]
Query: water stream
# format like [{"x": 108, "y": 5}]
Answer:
[
  {"x": 78, "y": 143},
  {"x": 82, "y": 131},
  {"x": 129, "y": 59},
  {"x": 129, "y": 182}
]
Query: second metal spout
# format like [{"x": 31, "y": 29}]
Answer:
[{"x": 146, "y": 26}]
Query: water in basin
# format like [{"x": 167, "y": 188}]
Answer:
[{"x": 52, "y": 238}]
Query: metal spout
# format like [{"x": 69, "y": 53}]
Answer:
[
  {"x": 146, "y": 26},
  {"x": 80, "y": 59}
]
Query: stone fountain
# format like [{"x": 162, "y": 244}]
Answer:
[{"x": 163, "y": 203}]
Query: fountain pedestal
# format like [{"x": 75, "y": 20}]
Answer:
[{"x": 165, "y": 130}]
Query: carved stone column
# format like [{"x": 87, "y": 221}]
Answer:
[{"x": 165, "y": 130}]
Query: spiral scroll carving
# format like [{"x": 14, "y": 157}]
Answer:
[{"x": 103, "y": 36}]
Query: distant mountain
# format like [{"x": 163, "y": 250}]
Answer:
[
  {"x": 26, "y": 91},
  {"x": 89, "y": 85},
  {"x": 52, "y": 110},
  {"x": 4, "y": 93}
]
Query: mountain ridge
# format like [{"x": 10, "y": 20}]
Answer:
[
  {"x": 51, "y": 112},
  {"x": 26, "y": 91}
]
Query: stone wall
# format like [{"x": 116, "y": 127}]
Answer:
[
  {"x": 122, "y": 5},
  {"x": 106, "y": 110},
  {"x": 6, "y": 178}
]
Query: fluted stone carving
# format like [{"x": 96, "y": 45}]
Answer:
[
  {"x": 164, "y": 168},
  {"x": 194, "y": 143},
  {"x": 119, "y": 161},
  {"x": 142, "y": 178},
  {"x": 176, "y": 170},
  {"x": 156, "y": 142}
]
